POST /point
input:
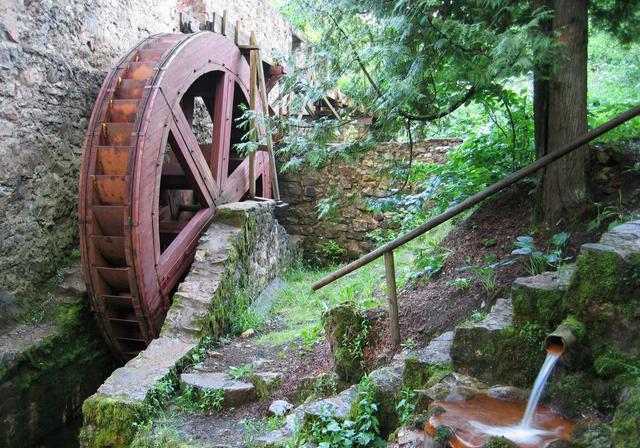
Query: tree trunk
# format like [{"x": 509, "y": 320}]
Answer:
[{"x": 560, "y": 113}]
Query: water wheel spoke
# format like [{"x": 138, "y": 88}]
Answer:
[
  {"x": 222, "y": 125},
  {"x": 187, "y": 149}
]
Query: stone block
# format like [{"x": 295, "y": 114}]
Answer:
[
  {"x": 338, "y": 407},
  {"x": 495, "y": 352},
  {"x": 236, "y": 393},
  {"x": 344, "y": 325},
  {"x": 266, "y": 383},
  {"x": 420, "y": 366},
  {"x": 539, "y": 299}
]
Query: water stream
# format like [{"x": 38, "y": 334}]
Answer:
[{"x": 538, "y": 387}]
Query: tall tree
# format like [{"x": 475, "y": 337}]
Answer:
[{"x": 560, "y": 109}]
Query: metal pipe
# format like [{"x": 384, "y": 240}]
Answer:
[
  {"x": 560, "y": 340},
  {"x": 478, "y": 197}
]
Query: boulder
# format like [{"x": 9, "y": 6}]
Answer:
[
  {"x": 280, "y": 408},
  {"x": 337, "y": 407}
]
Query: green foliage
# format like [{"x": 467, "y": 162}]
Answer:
[
  {"x": 240, "y": 373},
  {"x": 428, "y": 262},
  {"x": 538, "y": 261},
  {"x": 200, "y": 400},
  {"x": 612, "y": 215},
  {"x": 478, "y": 316},
  {"x": 485, "y": 274},
  {"x": 461, "y": 282},
  {"x": 363, "y": 430},
  {"x": 241, "y": 315},
  {"x": 407, "y": 405},
  {"x": 329, "y": 250}
]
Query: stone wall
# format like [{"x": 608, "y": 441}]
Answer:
[
  {"x": 53, "y": 58},
  {"x": 343, "y": 233}
]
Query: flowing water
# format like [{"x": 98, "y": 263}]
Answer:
[
  {"x": 538, "y": 387},
  {"x": 482, "y": 417}
]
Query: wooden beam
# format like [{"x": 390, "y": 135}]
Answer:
[
  {"x": 225, "y": 18},
  {"x": 392, "y": 296}
]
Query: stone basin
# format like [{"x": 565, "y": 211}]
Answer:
[{"x": 475, "y": 420}]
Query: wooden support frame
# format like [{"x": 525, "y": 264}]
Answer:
[{"x": 259, "y": 86}]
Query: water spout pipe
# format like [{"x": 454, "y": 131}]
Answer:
[{"x": 560, "y": 340}]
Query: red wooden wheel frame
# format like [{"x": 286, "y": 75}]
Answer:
[{"x": 148, "y": 187}]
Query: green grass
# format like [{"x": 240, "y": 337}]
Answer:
[{"x": 300, "y": 308}]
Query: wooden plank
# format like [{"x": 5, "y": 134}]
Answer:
[
  {"x": 123, "y": 110},
  {"x": 116, "y": 278},
  {"x": 111, "y": 248},
  {"x": 392, "y": 296},
  {"x": 111, "y": 190},
  {"x": 225, "y": 20},
  {"x": 112, "y": 161},
  {"x": 110, "y": 219}
]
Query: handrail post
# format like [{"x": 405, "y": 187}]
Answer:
[{"x": 392, "y": 296}]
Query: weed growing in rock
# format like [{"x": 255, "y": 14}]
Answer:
[
  {"x": 195, "y": 400},
  {"x": 239, "y": 373}
]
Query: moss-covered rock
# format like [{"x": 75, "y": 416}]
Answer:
[
  {"x": 593, "y": 435},
  {"x": 626, "y": 421},
  {"x": 347, "y": 330},
  {"x": 110, "y": 422},
  {"x": 424, "y": 367},
  {"x": 265, "y": 383},
  {"x": 539, "y": 299},
  {"x": 43, "y": 383},
  {"x": 499, "y": 442},
  {"x": 505, "y": 356},
  {"x": 596, "y": 280}
]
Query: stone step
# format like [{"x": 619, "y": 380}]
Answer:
[
  {"x": 338, "y": 407},
  {"x": 236, "y": 393},
  {"x": 266, "y": 383},
  {"x": 540, "y": 298},
  {"x": 422, "y": 364}
]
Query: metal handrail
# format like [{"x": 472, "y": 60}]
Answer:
[{"x": 387, "y": 248}]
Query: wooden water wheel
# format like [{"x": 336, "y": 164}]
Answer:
[{"x": 157, "y": 159}]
